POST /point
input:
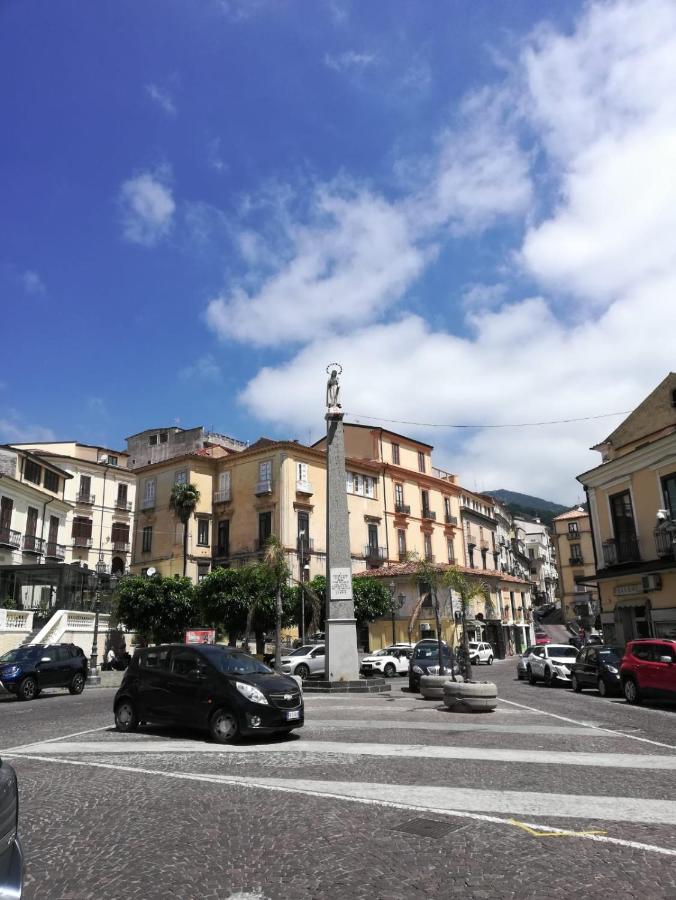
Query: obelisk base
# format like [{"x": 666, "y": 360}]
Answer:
[{"x": 342, "y": 659}]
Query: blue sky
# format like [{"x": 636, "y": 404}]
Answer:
[{"x": 205, "y": 203}]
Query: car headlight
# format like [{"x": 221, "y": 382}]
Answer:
[
  {"x": 418, "y": 670},
  {"x": 611, "y": 669},
  {"x": 251, "y": 693},
  {"x": 12, "y": 671},
  {"x": 563, "y": 670}
]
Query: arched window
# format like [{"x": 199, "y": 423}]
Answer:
[{"x": 117, "y": 567}]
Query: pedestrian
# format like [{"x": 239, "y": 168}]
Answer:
[{"x": 110, "y": 658}]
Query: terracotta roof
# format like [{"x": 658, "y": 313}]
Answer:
[
  {"x": 571, "y": 514},
  {"x": 411, "y": 568}
]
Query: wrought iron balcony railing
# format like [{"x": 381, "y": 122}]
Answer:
[
  {"x": 222, "y": 497},
  {"x": 263, "y": 487},
  {"x": 665, "y": 543},
  {"x": 86, "y": 498},
  {"x": 10, "y": 538},
  {"x": 450, "y": 520},
  {"x": 576, "y": 561},
  {"x": 430, "y": 557},
  {"x": 148, "y": 503},
  {"x": 123, "y": 505},
  {"x": 80, "y": 541},
  {"x": 402, "y": 508},
  {"x": 121, "y": 546},
  {"x": 55, "y": 551},
  {"x": 429, "y": 514},
  {"x": 32, "y": 544},
  {"x": 616, "y": 552},
  {"x": 375, "y": 555}
]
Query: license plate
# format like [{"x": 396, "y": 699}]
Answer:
[{"x": 293, "y": 714}]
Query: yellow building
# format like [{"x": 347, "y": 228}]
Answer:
[
  {"x": 576, "y": 566},
  {"x": 632, "y": 505}
]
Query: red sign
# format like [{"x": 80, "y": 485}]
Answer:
[{"x": 204, "y": 636}]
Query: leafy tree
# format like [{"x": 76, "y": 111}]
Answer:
[
  {"x": 278, "y": 570},
  {"x": 430, "y": 580},
  {"x": 160, "y": 609},
  {"x": 183, "y": 501},
  {"x": 371, "y": 599},
  {"x": 223, "y": 601},
  {"x": 468, "y": 589},
  {"x": 260, "y": 589}
]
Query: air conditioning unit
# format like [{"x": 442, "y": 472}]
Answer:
[
  {"x": 425, "y": 627},
  {"x": 652, "y": 582},
  {"x": 103, "y": 458}
]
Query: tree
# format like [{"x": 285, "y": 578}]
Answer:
[
  {"x": 160, "y": 609},
  {"x": 222, "y": 600},
  {"x": 275, "y": 562},
  {"x": 183, "y": 501},
  {"x": 371, "y": 599},
  {"x": 430, "y": 580},
  {"x": 469, "y": 590},
  {"x": 260, "y": 591}
]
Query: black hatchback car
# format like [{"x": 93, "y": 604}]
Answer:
[
  {"x": 597, "y": 667},
  {"x": 425, "y": 661},
  {"x": 207, "y": 686},
  {"x": 25, "y": 671}
]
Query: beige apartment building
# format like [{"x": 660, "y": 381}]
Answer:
[
  {"x": 632, "y": 505},
  {"x": 576, "y": 566}
]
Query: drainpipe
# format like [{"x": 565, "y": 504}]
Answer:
[
  {"x": 103, "y": 506},
  {"x": 44, "y": 513},
  {"x": 387, "y": 538}
]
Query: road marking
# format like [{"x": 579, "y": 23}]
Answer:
[
  {"x": 656, "y": 762},
  {"x": 451, "y": 727},
  {"x": 316, "y": 789},
  {"x": 544, "y": 834},
  {"x": 632, "y": 737},
  {"x": 63, "y": 737}
]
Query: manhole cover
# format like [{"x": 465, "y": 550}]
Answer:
[{"x": 428, "y": 828}]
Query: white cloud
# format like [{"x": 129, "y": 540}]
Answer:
[
  {"x": 15, "y": 430},
  {"x": 350, "y": 61},
  {"x": 203, "y": 369},
  {"x": 147, "y": 207},
  {"x": 483, "y": 296},
  {"x": 97, "y": 406},
  {"x": 32, "y": 283},
  {"x": 215, "y": 156},
  {"x": 162, "y": 98}
]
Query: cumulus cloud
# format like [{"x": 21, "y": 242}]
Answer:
[
  {"x": 32, "y": 283},
  {"x": 350, "y": 61},
  {"x": 205, "y": 368},
  {"x": 161, "y": 97},
  {"x": 14, "y": 429},
  {"x": 147, "y": 207}
]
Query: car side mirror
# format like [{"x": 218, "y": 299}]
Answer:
[{"x": 666, "y": 659}]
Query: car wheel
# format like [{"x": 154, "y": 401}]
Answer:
[
  {"x": 549, "y": 677},
  {"x": 223, "y": 726},
  {"x": 531, "y": 677},
  {"x": 77, "y": 683},
  {"x": 28, "y": 689},
  {"x": 603, "y": 688},
  {"x": 631, "y": 691},
  {"x": 125, "y": 716},
  {"x": 389, "y": 671},
  {"x": 302, "y": 671},
  {"x": 490, "y": 660}
]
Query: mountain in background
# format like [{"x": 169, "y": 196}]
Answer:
[{"x": 523, "y": 506}]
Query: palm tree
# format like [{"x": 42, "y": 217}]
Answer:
[
  {"x": 469, "y": 590},
  {"x": 274, "y": 560},
  {"x": 430, "y": 580},
  {"x": 183, "y": 501}
]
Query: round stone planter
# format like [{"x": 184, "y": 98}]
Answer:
[
  {"x": 432, "y": 686},
  {"x": 471, "y": 697}
]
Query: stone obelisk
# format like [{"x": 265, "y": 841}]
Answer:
[{"x": 342, "y": 661}]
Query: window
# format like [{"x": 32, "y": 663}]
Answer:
[
  {"x": 6, "y": 506},
  {"x": 223, "y": 543},
  {"x": 447, "y": 506},
  {"x": 202, "y": 571},
  {"x": 301, "y": 472},
  {"x": 149, "y": 492},
  {"x": 425, "y": 502},
  {"x": 152, "y": 440},
  {"x": 51, "y": 481},
  {"x": 154, "y": 659},
  {"x": 373, "y": 535},
  {"x": 573, "y": 528},
  {"x": 395, "y": 454},
  {"x": 399, "y": 494},
  {"x": 576, "y": 552},
  {"x": 363, "y": 485},
  {"x": 31, "y": 521},
  {"x": 32, "y": 471},
  {"x": 112, "y": 461},
  {"x": 265, "y": 471},
  {"x": 427, "y": 543},
  {"x": 264, "y": 528},
  {"x": 451, "y": 551},
  {"x": 643, "y": 651},
  {"x": 669, "y": 493},
  {"x": 401, "y": 541},
  {"x": 119, "y": 533},
  {"x": 147, "y": 542},
  {"x": 164, "y": 437},
  {"x": 304, "y": 526},
  {"x": 181, "y": 477},
  {"x": 623, "y": 525},
  {"x": 203, "y": 532},
  {"x": 531, "y": 553},
  {"x": 184, "y": 662},
  {"x": 122, "y": 494},
  {"x": 421, "y": 461},
  {"x": 82, "y": 528},
  {"x": 369, "y": 484}
]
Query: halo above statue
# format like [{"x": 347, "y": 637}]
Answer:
[{"x": 332, "y": 366}]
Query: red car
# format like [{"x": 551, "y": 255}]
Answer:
[
  {"x": 648, "y": 670},
  {"x": 541, "y": 638}
]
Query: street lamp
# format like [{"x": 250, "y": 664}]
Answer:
[
  {"x": 95, "y": 581},
  {"x": 305, "y": 576},
  {"x": 395, "y": 606}
]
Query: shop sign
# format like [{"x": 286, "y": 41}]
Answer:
[{"x": 201, "y": 636}]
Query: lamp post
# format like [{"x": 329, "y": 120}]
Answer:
[
  {"x": 95, "y": 581},
  {"x": 395, "y": 606},
  {"x": 305, "y": 575}
]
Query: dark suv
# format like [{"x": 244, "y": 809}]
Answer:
[
  {"x": 207, "y": 686},
  {"x": 648, "y": 670},
  {"x": 425, "y": 661},
  {"x": 27, "y": 670}
]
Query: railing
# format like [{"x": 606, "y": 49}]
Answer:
[
  {"x": 428, "y": 514},
  {"x": 10, "y": 538},
  {"x": 375, "y": 554},
  {"x": 576, "y": 561},
  {"x": 222, "y": 497},
  {"x": 16, "y": 620},
  {"x": 615, "y": 552},
  {"x": 79, "y": 541},
  {"x": 306, "y": 546},
  {"x": 445, "y": 476},
  {"x": 64, "y": 621},
  {"x": 32, "y": 544},
  {"x": 121, "y": 546},
  {"x": 665, "y": 543},
  {"x": 85, "y": 497},
  {"x": 55, "y": 551},
  {"x": 471, "y": 539},
  {"x": 403, "y": 555},
  {"x": 148, "y": 503},
  {"x": 402, "y": 508},
  {"x": 452, "y": 561},
  {"x": 483, "y": 544},
  {"x": 263, "y": 487},
  {"x": 303, "y": 487},
  {"x": 450, "y": 520},
  {"x": 123, "y": 505},
  {"x": 573, "y": 535},
  {"x": 430, "y": 557}
]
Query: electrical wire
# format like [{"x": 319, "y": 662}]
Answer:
[{"x": 479, "y": 425}]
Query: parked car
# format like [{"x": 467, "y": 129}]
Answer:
[
  {"x": 586, "y": 641},
  {"x": 597, "y": 667},
  {"x": 305, "y": 661},
  {"x": 551, "y": 663},
  {"x": 521, "y": 671},
  {"x": 207, "y": 686},
  {"x": 389, "y": 661},
  {"x": 542, "y": 638},
  {"x": 11, "y": 856},
  {"x": 480, "y": 652},
  {"x": 425, "y": 661},
  {"x": 648, "y": 670},
  {"x": 25, "y": 671}
]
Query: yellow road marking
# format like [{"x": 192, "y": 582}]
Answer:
[{"x": 535, "y": 833}]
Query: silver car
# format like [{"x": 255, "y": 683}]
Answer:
[
  {"x": 305, "y": 661},
  {"x": 521, "y": 665}
]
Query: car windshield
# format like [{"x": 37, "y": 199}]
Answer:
[
  {"x": 563, "y": 652},
  {"x": 302, "y": 651},
  {"x": 21, "y": 653},
  {"x": 430, "y": 651},
  {"x": 234, "y": 662},
  {"x": 611, "y": 654},
  {"x": 381, "y": 653},
  {"x": 473, "y": 645}
]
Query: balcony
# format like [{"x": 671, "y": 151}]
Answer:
[
  {"x": 402, "y": 508},
  {"x": 263, "y": 487},
  {"x": 506, "y": 616},
  {"x": 55, "y": 551},
  {"x": 483, "y": 544},
  {"x": 450, "y": 520},
  {"x": 32, "y": 544},
  {"x": 428, "y": 514},
  {"x": 148, "y": 503},
  {"x": 121, "y": 546},
  {"x": 573, "y": 535},
  {"x": 85, "y": 498},
  {"x": 443, "y": 475},
  {"x": 123, "y": 505},
  {"x": 306, "y": 546},
  {"x": 222, "y": 497},
  {"x": 623, "y": 551},
  {"x": 471, "y": 539},
  {"x": 576, "y": 561},
  {"x": 665, "y": 543},
  {"x": 10, "y": 538},
  {"x": 429, "y": 557},
  {"x": 403, "y": 555},
  {"x": 84, "y": 542},
  {"x": 304, "y": 487},
  {"x": 375, "y": 556}
]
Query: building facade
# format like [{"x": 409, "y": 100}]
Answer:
[
  {"x": 576, "y": 567},
  {"x": 541, "y": 555},
  {"x": 632, "y": 506},
  {"x": 155, "y": 445}
]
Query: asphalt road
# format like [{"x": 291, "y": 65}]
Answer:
[{"x": 384, "y": 796}]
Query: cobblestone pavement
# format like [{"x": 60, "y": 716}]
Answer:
[{"x": 554, "y": 794}]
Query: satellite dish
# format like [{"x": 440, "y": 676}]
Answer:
[{"x": 151, "y": 571}]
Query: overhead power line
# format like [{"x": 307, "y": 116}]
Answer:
[{"x": 480, "y": 425}]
